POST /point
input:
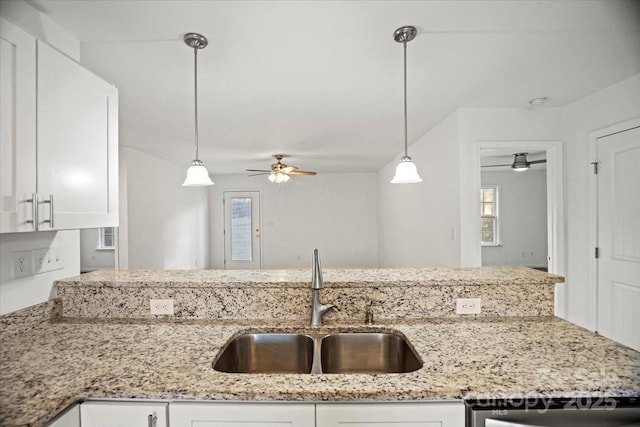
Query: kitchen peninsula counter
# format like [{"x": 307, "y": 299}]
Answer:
[
  {"x": 46, "y": 366},
  {"x": 434, "y": 276},
  {"x": 99, "y": 341}
]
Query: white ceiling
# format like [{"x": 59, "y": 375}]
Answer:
[{"x": 321, "y": 81}]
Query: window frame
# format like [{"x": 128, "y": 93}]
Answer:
[
  {"x": 496, "y": 216},
  {"x": 101, "y": 239}
]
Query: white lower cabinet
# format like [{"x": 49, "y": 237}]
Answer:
[
  {"x": 241, "y": 414},
  {"x": 69, "y": 418},
  {"x": 431, "y": 414},
  {"x": 123, "y": 414}
]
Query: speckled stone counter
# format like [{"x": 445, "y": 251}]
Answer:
[
  {"x": 45, "y": 366},
  {"x": 284, "y": 294}
]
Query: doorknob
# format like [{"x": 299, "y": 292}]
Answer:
[{"x": 257, "y": 233}]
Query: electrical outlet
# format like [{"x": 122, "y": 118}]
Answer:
[
  {"x": 162, "y": 306},
  {"x": 47, "y": 259},
  {"x": 468, "y": 306},
  {"x": 22, "y": 264}
]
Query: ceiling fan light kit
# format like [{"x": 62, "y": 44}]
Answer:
[
  {"x": 280, "y": 173},
  {"x": 197, "y": 174},
  {"x": 406, "y": 171}
]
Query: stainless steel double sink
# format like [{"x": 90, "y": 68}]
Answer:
[{"x": 318, "y": 353}]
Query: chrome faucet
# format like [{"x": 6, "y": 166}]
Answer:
[{"x": 317, "y": 308}]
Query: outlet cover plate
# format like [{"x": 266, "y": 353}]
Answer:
[
  {"x": 162, "y": 306},
  {"x": 22, "y": 265},
  {"x": 468, "y": 305}
]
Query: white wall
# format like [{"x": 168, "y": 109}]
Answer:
[
  {"x": 168, "y": 224},
  {"x": 335, "y": 212},
  {"x": 26, "y": 291},
  {"x": 40, "y": 26},
  {"x": 522, "y": 210},
  {"x": 419, "y": 223},
  {"x": 23, "y": 292},
  {"x": 615, "y": 104}
]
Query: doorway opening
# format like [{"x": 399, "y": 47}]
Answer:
[{"x": 513, "y": 209}]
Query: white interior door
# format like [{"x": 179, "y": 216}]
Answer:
[
  {"x": 242, "y": 230},
  {"x": 618, "y": 177}
]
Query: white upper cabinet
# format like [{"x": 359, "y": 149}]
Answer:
[
  {"x": 77, "y": 145},
  {"x": 17, "y": 128},
  {"x": 59, "y": 140}
]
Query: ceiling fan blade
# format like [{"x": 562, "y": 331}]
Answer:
[
  {"x": 297, "y": 172},
  {"x": 262, "y": 173},
  {"x": 533, "y": 162},
  {"x": 494, "y": 166},
  {"x": 258, "y": 170}
]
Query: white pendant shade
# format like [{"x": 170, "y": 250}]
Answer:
[
  {"x": 406, "y": 172},
  {"x": 197, "y": 175}
]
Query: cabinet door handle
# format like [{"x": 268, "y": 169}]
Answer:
[
  {"x": 152, "y": 420},
  {"x": 34, "y": 211},
  {"x": 50, "y": 220}
]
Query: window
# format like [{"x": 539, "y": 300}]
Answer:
[
  {"x": 241, "y": 244},
  {"x": 107, "y": 238},
  {"x": 489, "y": 216}
]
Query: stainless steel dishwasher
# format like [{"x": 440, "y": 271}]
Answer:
[{"x": 571, "y": 412}]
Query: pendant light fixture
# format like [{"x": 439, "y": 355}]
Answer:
[
  {"x": 197, "y": 174},
  {"x": 406, "y": 171}
]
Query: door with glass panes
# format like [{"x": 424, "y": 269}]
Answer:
[{"x": 242, "y": 230}]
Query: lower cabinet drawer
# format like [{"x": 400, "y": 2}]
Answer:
[
  {"x": 123, "y": 414},
  {"x": 242, "y": 414}
]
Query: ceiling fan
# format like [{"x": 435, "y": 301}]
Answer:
[
  {"x": 520, "y": 162},
  {"x": 280, "y": 172}
]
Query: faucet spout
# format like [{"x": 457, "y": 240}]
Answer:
[
  {"x": 316, "y": 272},
  {"x": 317, "y": 308}
]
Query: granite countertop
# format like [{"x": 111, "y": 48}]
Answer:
[
  {"x": 58, "y": 362},
  {"x": 434, "y": 276}
]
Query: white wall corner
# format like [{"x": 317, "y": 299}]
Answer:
[{"x": 39, "y": 25}]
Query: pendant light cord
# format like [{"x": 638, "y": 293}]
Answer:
[
  {"x": 195, "y": 72},
  {"x": 405, "y": 99}
]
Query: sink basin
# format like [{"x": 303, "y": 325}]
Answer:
[
  {"x": 350, "y": 353},
  {"x": 267, "y": 353},
  {"x": 318, "y": 353}
]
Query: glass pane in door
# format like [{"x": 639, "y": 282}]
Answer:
[{"x": 241, "y": 246}]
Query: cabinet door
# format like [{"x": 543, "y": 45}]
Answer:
[
  {"x": 70, "y": 418},
  {"x": 17, "y": 128},
  {"x": 77, "y": 144},
  {"x": 241, "y": 414},
  {"x": 441, "y": 414},
  {"x": 123, "y": 414}
]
